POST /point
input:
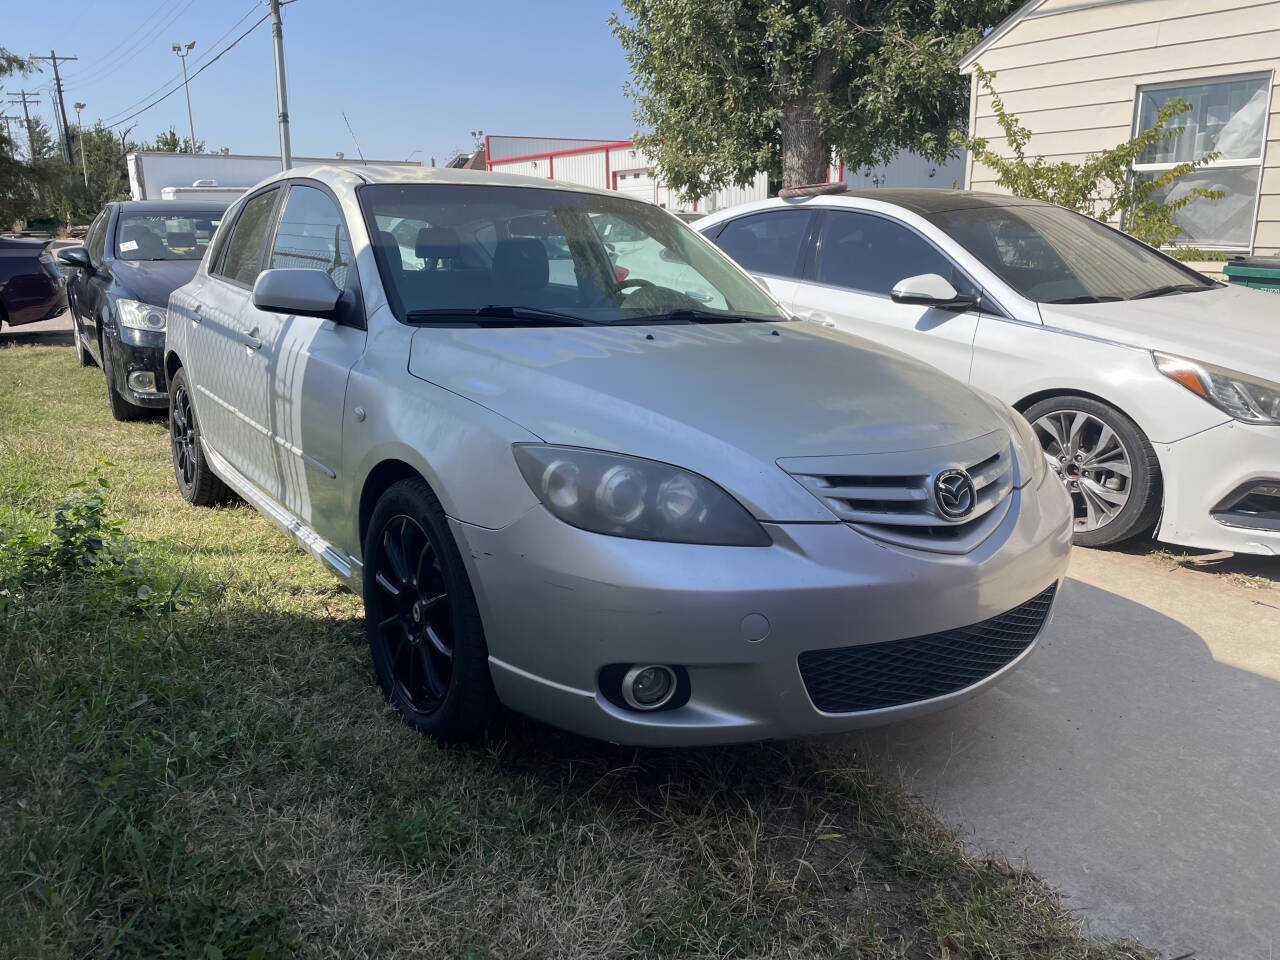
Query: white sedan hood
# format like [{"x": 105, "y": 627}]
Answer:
[
  {"x": 725, "y": 400},
  {"x": 1233, "y": 327}
]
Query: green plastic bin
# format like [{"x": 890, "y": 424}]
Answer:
[{"x": 1261, "y": 273}]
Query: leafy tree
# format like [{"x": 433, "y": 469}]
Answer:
[
  {"x": 170, "y": 142},
  {"x": 725, "y": 89},
  {"x": 1103, "y": 185}
]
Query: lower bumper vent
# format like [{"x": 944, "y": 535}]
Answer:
[{"x": 874, "y": 676}]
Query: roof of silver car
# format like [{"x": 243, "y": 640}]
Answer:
[
  {"x": 373, "y": 173},
  {"x": 927, "y": 201}
]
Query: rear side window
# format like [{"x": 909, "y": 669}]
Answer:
[
  {"x": 871, "y": 254},
  {"x": 312, "y": 236},
  {"x": 243, "y": 260},
  {"x": 771, "y": 243}
]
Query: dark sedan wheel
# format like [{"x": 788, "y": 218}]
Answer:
[
  {"x": 121, "y": 408},
  {"x": 83, "y": 357},
  {"x": 424, "y": 629},
  {"x": 1108, "y": 465},
  {"x": 197, "y": 483}
]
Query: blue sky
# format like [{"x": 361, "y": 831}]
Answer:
[{"x": 410, "y": 75}]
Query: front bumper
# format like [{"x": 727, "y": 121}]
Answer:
[
  {"x": 139, "y": 352},
  {"x": 1202, "y": 471},
  {"x": 559, "y": 604}
]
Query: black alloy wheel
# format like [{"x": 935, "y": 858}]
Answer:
[
  {"x": 423, "y": 625},
  {"x": 197, "y": 482}
]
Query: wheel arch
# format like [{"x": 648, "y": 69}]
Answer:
[
  {"x": 172, "y": 364},
  {"x": 1029, "y": 401},
  {"x": 381, "y": 478}
]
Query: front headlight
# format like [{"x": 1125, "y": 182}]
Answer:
[
  {"x": 1247, "y": 399},
  {"x": 629, "y": 497},
  {"x": 140, "y": 316},
  {"x": 1031, "y": 462}
]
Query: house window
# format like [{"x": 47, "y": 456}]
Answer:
[{"x": 1227, "y": 117}]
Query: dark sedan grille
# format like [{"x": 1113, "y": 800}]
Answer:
[{"x": 877, "y": 675}]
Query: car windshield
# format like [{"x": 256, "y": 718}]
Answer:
[
  {"x": 509, "y": 256},
  {"x": 180, "y": 235},
  {"x": 1052, "y": 255}
]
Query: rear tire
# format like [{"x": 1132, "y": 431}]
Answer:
[
  {"x": 121, "y": 409},
  {"x": 197, "y": 482},
  {"x": 423, "y": 625},
  {"x": 1090, "y": 446}
]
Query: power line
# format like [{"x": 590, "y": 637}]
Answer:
[
  {"x": 202, "y": 69},
  {"x": 122, "y": 60},
  {"x": 173, "y": 79},
  {"x": 93, "y": 65}
]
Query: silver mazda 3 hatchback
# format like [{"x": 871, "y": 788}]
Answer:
[{"x": 581, "y": 465}]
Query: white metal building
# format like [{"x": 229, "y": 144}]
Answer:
[{"x": 621, "y": 165}]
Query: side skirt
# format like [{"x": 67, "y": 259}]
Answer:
[{"x": 346, "y": 568}]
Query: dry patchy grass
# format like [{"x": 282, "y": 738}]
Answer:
[{"x": 195, "y": 762}]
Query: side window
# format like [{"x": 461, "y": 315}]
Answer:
[
  {"x": 871, "y": 254},
  {"x": 767, "y": 242},
  {"x": 312, "y": 236},
  {"x": 243, "y": 261},
  {"x": 96, "y": 239}
]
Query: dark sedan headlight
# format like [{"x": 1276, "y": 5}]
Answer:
[
  {"x": 630, "y": 497},
  {"x": 141, "y": 316},
  {"x": 1247, "y": 399}
]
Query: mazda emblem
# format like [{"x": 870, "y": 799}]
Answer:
[{"x": 954, "y": 495}]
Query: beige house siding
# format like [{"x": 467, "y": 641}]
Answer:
[{"x": 1071, "y": 69}]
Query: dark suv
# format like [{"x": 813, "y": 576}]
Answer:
[
  {"x": 135, "y": 254},
  {"x": 31, "y": 288}
]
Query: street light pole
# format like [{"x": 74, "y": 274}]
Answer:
[
  {"x": 282, "y": 95},
  {"x": 84, "y": 166},
  {"x": 182, "y": 52}
]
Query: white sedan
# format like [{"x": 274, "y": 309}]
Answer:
[{"x": 1153, "y": 389}]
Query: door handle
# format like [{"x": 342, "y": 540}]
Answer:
[
  {"x": 820, "y": 318},
  {"x": 251, "y": 339},
  {"x": 195, "y": 314}
]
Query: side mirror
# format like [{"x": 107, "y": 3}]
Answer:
[
  {"x": 931, "y": 290},
  {"x": 75, "y": 257},
  {"x": 306, "y": 293}
]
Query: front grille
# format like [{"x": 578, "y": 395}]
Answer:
[
  {"x": 873, "y": 676},
  {"x": 898, "y": 507}
]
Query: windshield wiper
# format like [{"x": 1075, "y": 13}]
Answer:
[
  {"x": 1087, "y": 298},
  {"x": 695, "y": 316},
  {"x": 1171, "y": 288},
  {"x": 495, "y": 315}
]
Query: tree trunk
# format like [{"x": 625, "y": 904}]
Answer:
[{"x": 806, "y": 156}]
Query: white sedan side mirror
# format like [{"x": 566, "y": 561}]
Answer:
[{"x": 932, "y": 290}]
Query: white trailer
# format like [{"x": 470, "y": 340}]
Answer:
[{"x": 155, "y": 175}]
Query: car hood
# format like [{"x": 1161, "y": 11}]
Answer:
[
  {"x": 1233, "y": 327},
  {"x": 151, "y": 281},
  {"x": 724, "y": 400}
]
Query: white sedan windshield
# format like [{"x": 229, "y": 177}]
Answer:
[
  {"x": 1052, "y": 255},
  {"x": 520, "y": 255}
]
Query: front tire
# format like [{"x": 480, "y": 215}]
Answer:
[
  {"x": 1107, "y": 463},
  {"x": 121, "y": 409},
  {"x": 425, "y": 636},
  {"x": 82, "y": 355},
  {"x": 197, "y": 482}
]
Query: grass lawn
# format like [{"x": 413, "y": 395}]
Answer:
[{"x": 195, "y": 762}]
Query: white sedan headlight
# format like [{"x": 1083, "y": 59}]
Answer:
[
  {"x": 630, "y": 497},
  {"x": 141, "y": 316},
  {"x": 1247, "y": 399}
]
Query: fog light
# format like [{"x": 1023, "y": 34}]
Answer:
[
  {"x": 144, "y": 381},
  {"x": 648, "y": 687}
]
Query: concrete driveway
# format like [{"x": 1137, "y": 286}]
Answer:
[
  {"x": 47, "y": 333},
  {"x": 1134, "y": 762}
]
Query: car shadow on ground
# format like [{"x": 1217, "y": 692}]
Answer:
[
  {"x": 17, "y": 337},
  {"x": 1127, "y": 766}
]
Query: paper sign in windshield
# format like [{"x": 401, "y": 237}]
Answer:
[{"x": 128, "y": 245}]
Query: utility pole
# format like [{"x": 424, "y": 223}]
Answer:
[
  {"x": 84, "y": 166},
  {"x": 8, "y": 129},
  {"x": 282, "y": 95},
  {"x": 182, "y": 52},
  {"x": 27, "y": 100},
  {"x": 62, "y": 107}
]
